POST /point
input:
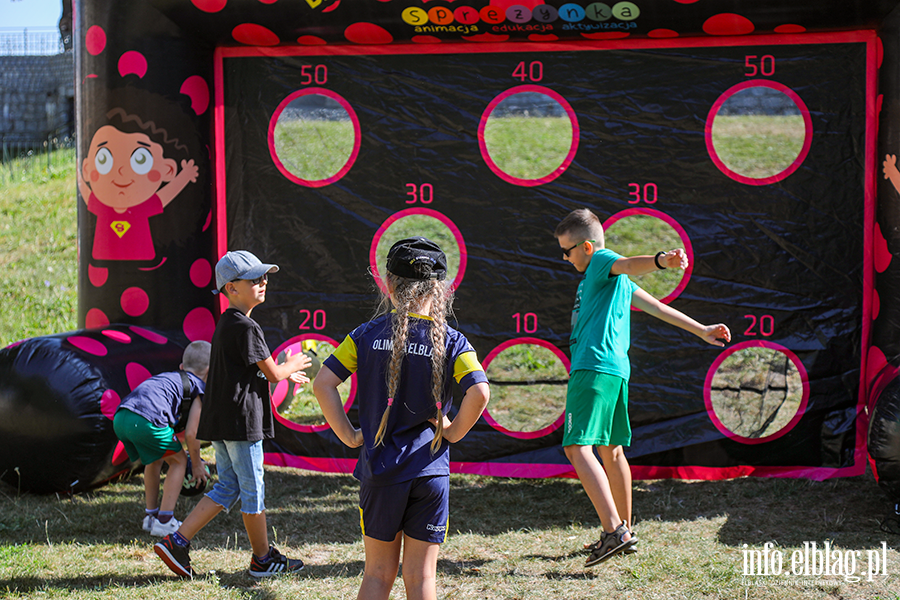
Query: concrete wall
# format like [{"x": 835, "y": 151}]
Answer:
[{"x": 37, "y": 98}]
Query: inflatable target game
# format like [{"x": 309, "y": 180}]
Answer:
[{"x": 762, "y": 139}]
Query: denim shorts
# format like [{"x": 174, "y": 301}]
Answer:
[
  {"x": 240, "y": 471},
  {"x": 420, "y": 508}
]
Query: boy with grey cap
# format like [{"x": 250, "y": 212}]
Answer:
[{"x": 237, "y": 416}]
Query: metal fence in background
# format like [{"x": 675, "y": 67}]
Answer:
[
  {"x": 35, "y": 41},
  {"x": 21, "y": 161}
]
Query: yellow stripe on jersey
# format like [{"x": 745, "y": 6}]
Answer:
[
  {"x": 346, "y": 354},
  {"x": 466, "y": 363},
  {"x": 362, "y": 524}
]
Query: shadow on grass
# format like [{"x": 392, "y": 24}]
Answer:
[
  {"x": 847, "y": 511},
  {"x": 466, "y": 568},
  {"x": 24, "y": 585},
  {"x": 315, "y": 508},
  {"x": 226, "y": 580}
]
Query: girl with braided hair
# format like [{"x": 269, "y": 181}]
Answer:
[{"x": 404, "y": 360}]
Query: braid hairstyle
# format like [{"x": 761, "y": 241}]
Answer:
[
  {"x": 409, "y": 293},
  {"x": 441, "y": 302}
]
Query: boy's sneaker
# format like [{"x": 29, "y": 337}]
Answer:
[
  {"x": 277, "y": 563},
  {"x": 163, "y": 529},
  {"x": 176, "y": 557},
  {"x": 147, "y": 525}
]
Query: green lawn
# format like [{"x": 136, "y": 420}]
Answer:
[
  {"x": 756, "y": 392},
  {"x": 638, "y": 235},
  {"x": 314, "y": 150},
  {"x": 527, "y": 407},
  {"x": 38, "y": 247},
  {"x": 508, "y": 539},
  {"x": 528, "y": 147},
  {"x": 758, "y": 146}
]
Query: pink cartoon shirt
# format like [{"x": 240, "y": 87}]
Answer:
[{"x": 126, "y": 235}]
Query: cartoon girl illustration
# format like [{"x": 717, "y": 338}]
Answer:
[{"x": 125, "y": 179}]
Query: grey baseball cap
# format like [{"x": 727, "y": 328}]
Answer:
[{"x": 240, "y": 264}]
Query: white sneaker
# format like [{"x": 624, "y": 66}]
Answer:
[
  {"x": 149, "y": 520},
  {"x": 164, "y": 529}
]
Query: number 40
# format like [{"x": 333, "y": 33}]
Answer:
[{"x": 534, "y": 71}]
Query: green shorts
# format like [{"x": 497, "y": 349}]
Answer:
[
  {"x": 596, "y": 410},
  {"x": 142, "y": 439}
]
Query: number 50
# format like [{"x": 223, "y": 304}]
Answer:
[{"x": 766, "y": 65}]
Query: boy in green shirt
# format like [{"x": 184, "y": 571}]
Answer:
[{"x": 597, "y": 396}]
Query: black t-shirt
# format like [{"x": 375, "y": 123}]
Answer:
[{"x": 236, "y": 405}]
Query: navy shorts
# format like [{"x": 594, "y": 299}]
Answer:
[{"x": 420, "y": 508}]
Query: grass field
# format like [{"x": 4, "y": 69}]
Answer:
[
  {"x": 528, "y": 147},
  {"x": 538, "y": 403},
  {"x": 38, "y": 247},
  {"x": 509, "y": 538},
  {"x": 301, "y": 406},
  {"x": 756, "y": 392},
  {"x": 758, "y": 146},
  {"x": 638, "y": 235},
  {"x": 314, "y": 150}
]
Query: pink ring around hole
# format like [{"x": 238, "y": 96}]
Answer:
[
  {"x": 296, "y": 341},
  {"x": 807, "y": 124},
  {"x": 525, "y": 435},
  {"x": 707, "y": 391},
  {"x": 457, "y": 235},
  {"x": 357, "y": 137},
  {"x": 573, "y": 120},
  {"x": 688, "y": 248}
]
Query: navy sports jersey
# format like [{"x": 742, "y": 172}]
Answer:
[{"x": 406, "y": 450}]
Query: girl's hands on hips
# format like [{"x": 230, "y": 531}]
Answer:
[
  {"x": 433, "y": 421},
  {"x": 357, "y": 438}
]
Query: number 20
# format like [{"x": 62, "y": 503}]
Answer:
[
  {"x": 317, "y": 317},
  {"x": 766, "y": 325}
]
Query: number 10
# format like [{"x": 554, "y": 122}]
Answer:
[{"x": 528, "y": 322}]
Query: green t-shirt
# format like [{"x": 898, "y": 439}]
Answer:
[{"x": 601, "y": 319}]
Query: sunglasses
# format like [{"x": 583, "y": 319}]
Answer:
[
  {"x": 566, "y": 251},
  {"x": 257, "y": 281}
]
